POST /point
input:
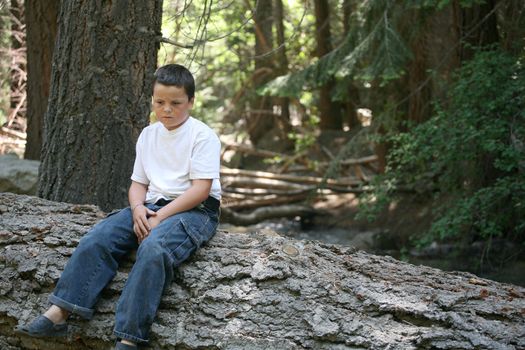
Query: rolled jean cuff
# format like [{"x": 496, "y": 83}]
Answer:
[
  {"x": 83, "y": 312},
  {"x": 126, "y": 336}
]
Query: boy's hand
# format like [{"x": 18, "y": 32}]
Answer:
[
  {"x": 141, "y": 225},
  {"x": 153, "y": 222}
]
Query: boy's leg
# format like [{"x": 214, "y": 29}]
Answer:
[
  {"x": 167, "y": 246},
  {"x": 94, "y": 263}
]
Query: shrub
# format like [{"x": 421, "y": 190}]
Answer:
[{"x": 471, "y": 153}]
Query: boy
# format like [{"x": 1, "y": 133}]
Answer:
[{"x": 174, "y": 202}]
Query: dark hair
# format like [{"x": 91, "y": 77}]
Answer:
[{"x": 177, "y": 75}]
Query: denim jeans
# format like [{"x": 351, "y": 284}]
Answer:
[{"x": 95, "y": 261}]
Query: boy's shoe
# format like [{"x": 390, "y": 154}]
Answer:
[
  {"x": 122, "y": 346},
  {"x": 43, "y": 327}
]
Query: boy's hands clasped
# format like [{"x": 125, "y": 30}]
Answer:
[{"x": 144, "y": 220}]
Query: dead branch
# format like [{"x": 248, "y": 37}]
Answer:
[
  {"x": 265, "y": 213},
  {"x": 250, "y": 150},
  {"x": 306, "y": 180},
  {"x": 174, "y": 43},
  {"x": 266, "y": 201},
  {"x": 13, "y": 133}
]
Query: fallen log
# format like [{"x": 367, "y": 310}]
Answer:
[
  {"x": 265, "y": 213},
  {"x": 288, "y": 159},
  {"x": 270, "y": 202},
  {"x": 250, "y": 192},
  {"x": 258, "y": 291},
  {"x": 13, "y": 133},
  {"x": 305, "y": 180},
  {"x": 249, "y": 182},
  {"x": 282, "y": 186},
  {"x": 250, "y": 150}
]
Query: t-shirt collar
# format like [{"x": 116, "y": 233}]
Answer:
[{"x": 184, "y": 126}]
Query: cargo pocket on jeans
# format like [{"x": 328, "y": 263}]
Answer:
[
  {"x": 183, "y": 251},
  {"x": 198, "y": 233}
]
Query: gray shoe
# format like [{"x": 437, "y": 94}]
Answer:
[
  {"x": 43, "y": 327},
  {"x": 122, "y": 346}
]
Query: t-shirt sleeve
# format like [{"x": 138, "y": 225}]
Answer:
[
  {"x": 139, "y": 175},
  {"x": 205, "y": 157}
]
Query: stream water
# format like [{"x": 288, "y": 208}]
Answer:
[{"x": 507, "y": 268}]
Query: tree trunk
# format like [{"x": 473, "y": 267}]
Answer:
[
  {"x": 257, "y": 291},
  {"x": 419, "y": 108},
  {"x": 41, "y": 28},
  {"x": 261, "y": 118},
  {"x": 512, "y": 25},
  {"x": 352, "y": 99},
  {"x": 101, "y": 83},
  {"x": 442, "y": 50},
  {"x": 284, "y": 102},
  {"x": 474, "y": 32},
  {"x": 329, "y": 111},
  {"x": 479, "y": 29}
]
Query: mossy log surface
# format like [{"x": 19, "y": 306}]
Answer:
[{"x": 257, "y": 291}]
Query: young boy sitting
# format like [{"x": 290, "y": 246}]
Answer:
[{"x": 174, "y": 202}]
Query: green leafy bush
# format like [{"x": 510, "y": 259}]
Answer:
[{"x": 470, "y": 156}]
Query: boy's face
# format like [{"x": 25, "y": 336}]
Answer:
[{"x": 171, "y": 105}]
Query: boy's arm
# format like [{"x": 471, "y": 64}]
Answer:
[
  {"x": 137, "y": 196},
  {"x": 196, "y": 194}
]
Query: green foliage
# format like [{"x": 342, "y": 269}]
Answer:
[
  {"x": 442, "y": 3},
  {"x": 366, "y": 53},
  {"x": 222, "y": 58},
  {"x": 307, "y": 137},
  {"x": 216, "y": 40},
  {"x": 376, "y": 49},
  {"x": 470, "y": 155}
]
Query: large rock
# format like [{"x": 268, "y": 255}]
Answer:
[
  {"x": 18, "y": 175},
  {"x": 258, "y": 291}
]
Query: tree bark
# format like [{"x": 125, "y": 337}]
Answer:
[
  {"x": 329, "y": 111},
  {"x": 478, "y": 27},
  {"x": 258, "y": 291},
  {"x": 260, "y": 118},
  {"x": 512, "y": 25},
  {"x": 419, "y": 103},
  {"x": 352, "y": 99},
  {"x": 284, "y": 102},
  {"x": 41, "y": 28},
  {"x": 102, "y": 73}
]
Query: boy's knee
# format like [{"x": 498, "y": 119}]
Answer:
[
  {"x": 92, "y": 241},
  {"x": 151, "y": 248}
]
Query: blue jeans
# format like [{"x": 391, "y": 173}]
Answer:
[{"x": 95, "y": 261}]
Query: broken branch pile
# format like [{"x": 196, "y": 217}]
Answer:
[{"x": 252, "y": 196}]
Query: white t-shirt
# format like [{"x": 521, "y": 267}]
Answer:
[{"x": 167, "y": 160}]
